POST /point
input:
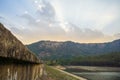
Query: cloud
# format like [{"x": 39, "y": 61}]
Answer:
[
  {"x": 46, "y": 25},
  {"x": 95, "y": 14},
  {"x": 86, "y": 35},
  {"x": 45, "y": 11},
  {"x": 117, "y": 35},
  {"x": 43, "y": 30},
  {"x": 6, "y": 22},
  {"x": 113, "y": 27}
]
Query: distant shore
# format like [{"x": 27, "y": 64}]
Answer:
[{"x": 91, "y": 69}]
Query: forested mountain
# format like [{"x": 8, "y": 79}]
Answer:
[
  {"x": 68, "y": 49},
  {"x": 111, "y": 59}
]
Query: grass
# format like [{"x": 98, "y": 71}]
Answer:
[{"x": 57, "y": 75}]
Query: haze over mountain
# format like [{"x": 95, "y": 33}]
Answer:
[{"x": 68, "y": 49}]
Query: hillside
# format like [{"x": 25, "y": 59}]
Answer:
[
  {"x": 111, "y": 59},
  {"x": 18, "y": 63},
  {"x": 12, "y": 48},
  {"x": 68, "y": 49}
]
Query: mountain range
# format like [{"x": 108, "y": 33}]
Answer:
[{"x": 68, "y": 49}]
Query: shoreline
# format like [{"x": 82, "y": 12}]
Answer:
[
  {"x": 70, "y": 74},
  {"x": 92, "y": 69}
]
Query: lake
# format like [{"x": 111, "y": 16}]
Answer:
[
  {"x": 95, "y": 72},
  {"x": 99, "y": 75}
]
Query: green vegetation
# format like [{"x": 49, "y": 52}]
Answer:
[
  {"x": 57, "y": 75},
  {"x": 71, "y": 53},
  {"x": 111, "y": 59},
  {"x": 69, "y": 49}
]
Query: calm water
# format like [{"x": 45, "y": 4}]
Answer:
[{"x": 100, "y": 75}]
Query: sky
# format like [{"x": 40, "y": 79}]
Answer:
[{"x": 84, "y": 21}]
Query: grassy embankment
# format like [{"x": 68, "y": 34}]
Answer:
[{"x": 57, "y": 75}]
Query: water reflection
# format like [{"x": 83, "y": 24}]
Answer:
[{"x": 100, "y": 75}]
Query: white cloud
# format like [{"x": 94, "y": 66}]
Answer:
[
  {"x": 95, "y": 14},
  {"x": 44, "y": 30},
  {"x": 26, "y": 12},
  {"x": 49, "y": 23},
  {"x": 35, "y": 1},
  {"x": 40, "y": 7}
]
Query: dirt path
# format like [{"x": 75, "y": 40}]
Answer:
[{"x": 80, "y": 78}]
